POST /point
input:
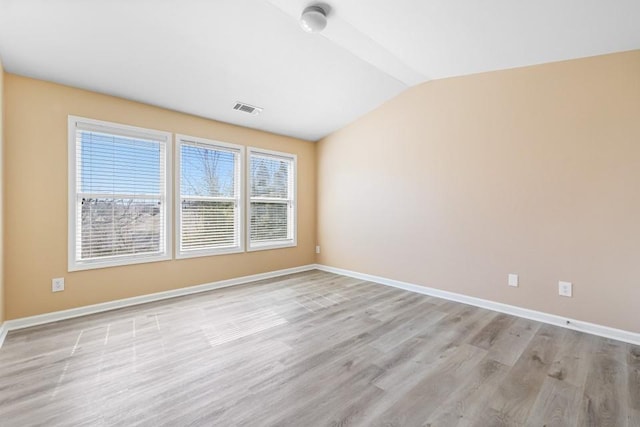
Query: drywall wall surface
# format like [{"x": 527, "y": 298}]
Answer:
[
  {"x": 36, "y": 201},
  {"x": 456, "y": 183}
]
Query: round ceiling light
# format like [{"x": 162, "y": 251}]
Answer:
[{"x": 313, "y": 19}]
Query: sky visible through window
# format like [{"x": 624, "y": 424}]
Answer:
[
  {"x": 122, "y": 165},
  {"x": 207, "y": 171},
  {"x": 119, "y": 165}
]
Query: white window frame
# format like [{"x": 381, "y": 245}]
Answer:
[
  {"x": 288, "y": 243},
  {"x": 179, "y": 253},
  {"x": 76, "y": 123}
]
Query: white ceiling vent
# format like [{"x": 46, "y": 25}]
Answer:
[{"x": 246, "y": 108}]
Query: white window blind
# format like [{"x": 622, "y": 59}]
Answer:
[
  {"x": 272, "y": 204},
  {"x": 210, "y": 207},
  {"x": 118, "y": 188}
]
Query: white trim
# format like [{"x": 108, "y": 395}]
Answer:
[
  {"x": 240, "y": 176},
  {"x": 284, "y": 243},
  {"x": 552, "y": 319},
  {"x": 118, "y": 261},
  {"x": 199, "y": 253},
  {"x": 590, "y": 328},
  {"x": 274, "y": 244},
  {"x": 101, "y": 126},
  {"x": 56, "y": 316},
  {"x": 3, "y": 332},
  {"x": 75, "y": 123}
]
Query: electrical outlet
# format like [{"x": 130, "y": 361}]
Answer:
[
  {"x": 57, "y": 284},
  {"x": 318, "y": 249},
  {"x": 565, "y": 289},
  {"x": 513, "y": 280}
]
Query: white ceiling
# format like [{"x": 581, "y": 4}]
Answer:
[{"x": 201, "y": 56}]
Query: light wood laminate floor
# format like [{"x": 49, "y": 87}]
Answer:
[{"x": 314, "y": 349}]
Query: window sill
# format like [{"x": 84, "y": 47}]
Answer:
[
  {"x": 272, "y": 245},
  {"x": 91, "y": 265},
  {"x": 208, "y": 252}
]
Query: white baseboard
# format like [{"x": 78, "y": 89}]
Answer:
[
  {"x": 27, "y": 322},
  {"x": 590, "y": 328}
]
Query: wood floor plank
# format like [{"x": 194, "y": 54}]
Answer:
[
  {"x": 573, "y": 361},
  {"x": 415, "y": 406},
  {"x": 340, "y": 355},
  {"x": 508, "y": 347},
  {"x": 557, "y": 404},
  {"x": 512, "y": 402},
  {"x": 285, "y": 394},
  {"x": 489, "y": 334},
  {"x": 440, "y": 340},
  {"x": 313, "y": 349},
  {"x": 604, "y": 403},
  {"x": 633, "y": 380},
  {"x": 426, "y": 315},
  {"x": 467, "y": 401},
  {"x": 334, "y": 402}
]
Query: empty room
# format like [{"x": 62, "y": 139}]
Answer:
[{"x": 337, "y": 213}]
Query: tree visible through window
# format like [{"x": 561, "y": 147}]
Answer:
[
  {"x": 209, "y": 197},
  {"x": 272, "y": 199}
]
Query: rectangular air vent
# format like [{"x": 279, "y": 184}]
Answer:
[{"x": 246, "y": 108}]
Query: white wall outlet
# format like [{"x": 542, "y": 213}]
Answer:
[
  {"x": 513, "y": 280},
  {"x": 57, "y": 284},
  {"x": 318, "y": 249},
  {"x": 565, "y": 289}
]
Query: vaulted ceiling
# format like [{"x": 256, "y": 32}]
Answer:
[{"x": 201, "y": 56}]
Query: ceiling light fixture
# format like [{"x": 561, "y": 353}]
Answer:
[{"x": 313, "y": 19}]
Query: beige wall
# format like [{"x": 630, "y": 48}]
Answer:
[
  {"x": 458, "y": 182},
  {"x": 1, "y": 193},
  {"x": 453, "y": 184},
  {"x": 36, "y": 201}
]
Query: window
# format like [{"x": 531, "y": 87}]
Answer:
[
  {"x": 209, "y": 212},
  {"x": 118, "y": 194},
  {"x": 272, "y": 201}
]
